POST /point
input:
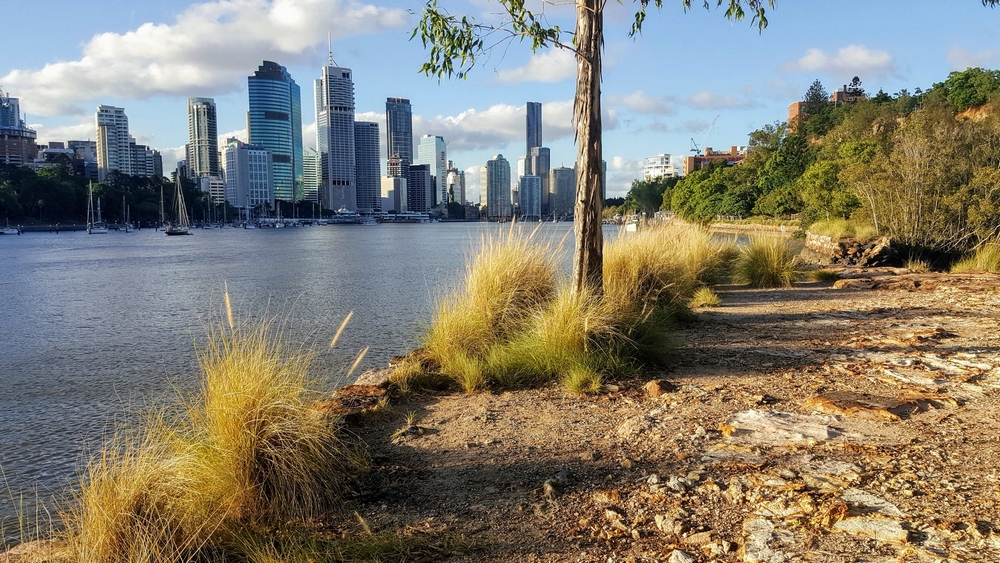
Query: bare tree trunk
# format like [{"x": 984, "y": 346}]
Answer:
[{"x": 588, "y": 260}]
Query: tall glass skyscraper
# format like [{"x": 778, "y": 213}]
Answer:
[
  {"x": 399, "y": 130},
  {"x": 433, "y": 151},
  {"x": 335, "y": 138},
  {"x": 203, "y": 137},
  {"x": 533, "y": 121},
  {"x": 369, "y": 171},
  {"x": 274, "y": 122}
]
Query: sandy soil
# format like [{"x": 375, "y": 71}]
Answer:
[{"x": 803, "y": 424}]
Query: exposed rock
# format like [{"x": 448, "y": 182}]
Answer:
[
  {"x": 377, "y": 376},
  {"x": 678, "y": 556},
  {"x": 658, "y": 387},
  {"x": 777, "y": 428},
  {"x": 761, "y": 540},
  {"x": 881, "y": 529},
  {"x": 876, "y": 407}
]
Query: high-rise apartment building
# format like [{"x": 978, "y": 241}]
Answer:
[
  {"x": 658, "y": 166},
  {"x": 433, "y": 152},
  {"x": 274, "y": 122},
  {"x": 533, "y": 121},
  {"x": 203, "y": 137},
  {"x": 495, "y": 183},
  {"x": 114, "y": 152},
  {"x": 419, "y": 188},
  {"x": 17, "y": 142},
  {"x": 335, "y": 137},
  {"x": 399, "y": 130},
  {"x": 562, "y": 184},
  {"x": 249, "y": 175},
  {"x": 310, "y": 175},
  {"x": 368, "y": 166}
]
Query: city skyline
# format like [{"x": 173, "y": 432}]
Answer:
[{"x": 662, "y": 90}]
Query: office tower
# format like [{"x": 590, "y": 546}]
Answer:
[
  {"x": 539, "y": 161},
  {"x": 310, "y": 175},
  {"x": 399, "y": 130},
  {"x": 531, "y": 197},
  {"x": 456, "y": 184},
  {"x": 249, "y": 175},
  {"x": 533, "y": 120},
  {"x": 274, "y": 122},
  {"x": 433, "y": 152},
  {"x": 17, "y": 142},
  {"x": 495, "y": 183},
  {"x": 203, "y": 137},
  {"x": 419, "y": 188},
  {"x": 369, "y": 168},
  {"x": 562, "y": 184},
  {"x": 113, "y": 149},
  {"x": 394, "y": 194},
  {"x": 335, "y": 137}
]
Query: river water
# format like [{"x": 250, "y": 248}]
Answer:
[{"x": 93, "y": 327}]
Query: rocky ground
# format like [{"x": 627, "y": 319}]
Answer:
[{"x": 803, "y": 424}]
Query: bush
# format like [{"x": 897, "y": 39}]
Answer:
[{"x": 766, "y": 262}]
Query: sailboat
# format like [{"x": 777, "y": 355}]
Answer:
[
  {"x": 125, "y": 207},
  {"x": 8, "y": 230},
  {"x": 94, "y": 227},
  {"x": 179, "y": 224}
]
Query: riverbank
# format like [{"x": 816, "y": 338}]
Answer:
[{"x": 809, "y": 423}]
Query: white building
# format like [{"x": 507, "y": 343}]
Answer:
[
  {"x": 310, "y": 175},
  {"x": 214, "y": 186},
  {"x": 249, "y": 175},
  {"x": 495, "y": 183},
  {"x": 394, "y": 194},
  {"x": 433, "y": 152},
  {"x": 113, "y": 148},
  {"x": 335, "y": 138},
  {"x": 658, "y": 166},
  {"x": 203, "y": 137}
]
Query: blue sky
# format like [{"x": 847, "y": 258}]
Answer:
[{"x": 62, "y": 58}]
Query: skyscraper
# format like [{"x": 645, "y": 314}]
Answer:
[
  {"x": 419, "y": 189},
  {"x": 455, "y": 184},
  {"x": 113, "y": 148},
  {"x": 433, "y": 152},
  {"x": 335, "y": 137},
  {"x": 562, "y": 184},
  {"x": 203, "y": 137},
  {"x": 274, "y": 122},
  {"x": 399, "y": 130},
  {"x": 369, "y": 169},
  {"x": 539, "y": 162},
  {"x": 530, "y": 205},
  {"x": 495, "y": 183},
  {"x": 249, "y": 175},
  {"x": 310, "y": 175},
  {"x": 533, "y": 121}
]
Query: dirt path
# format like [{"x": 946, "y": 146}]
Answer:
[{"x": 807, "y": 424}]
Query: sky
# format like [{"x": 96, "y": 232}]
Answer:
[{"x": 661, "y": 91}]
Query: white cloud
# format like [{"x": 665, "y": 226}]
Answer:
[
  {"x": 850, "y": 60},
  {"x": 472, "y": 189},
  {"x": 309, "y": 135},
  {"x": 83, "y": 131},
  {"x": 209, "y": 48},
  {"x": 640, "y": 102},
  {"x": 622, "y": 171},
  {"x": 552, "y": 65},
  {"x": 708, "y": 100},
  {"x": 240, "y": 134},
  {"x": 961, "y": 59}
]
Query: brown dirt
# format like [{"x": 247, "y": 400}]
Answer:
[{"x": 808, "y": 424}]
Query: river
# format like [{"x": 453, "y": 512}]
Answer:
[{"x": 95, "y": 326}]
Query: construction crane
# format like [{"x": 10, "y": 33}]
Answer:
[{"x": 695, "y": 147}]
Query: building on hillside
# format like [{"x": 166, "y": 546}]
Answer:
[
  {"x": 735, "y": 155},
  {"x": 274, "y": 122},
  {"x": 433, "y": 151},
  {"x": 17, "y": 141},
  {"x": 658, "y": 166},
  {"x": 203, "y": 138},
  {"x": 847, "y": 94},
  {"x": 368, "y": 167},
  {"x": 335, "y": 138}
]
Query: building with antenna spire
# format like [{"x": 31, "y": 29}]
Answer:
[{"x": 335, "y": 137}]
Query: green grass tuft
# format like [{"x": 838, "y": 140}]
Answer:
[
  {"x": 824, "y": 275},
  {"x": 704, "y": 297},
  {"x": 986, "y": 258}
]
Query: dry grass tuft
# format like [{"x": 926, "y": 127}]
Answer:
[
  {"x": 766, "y": 262},
  {"x": 704, "y": 297},
  {"x": 986, "y": 258},
  {"x": 837, "y": 229}
]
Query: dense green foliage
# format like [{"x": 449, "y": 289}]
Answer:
[{"x": 922, "y": 168}]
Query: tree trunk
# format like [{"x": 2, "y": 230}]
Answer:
[{"x": 588, "y": 260}]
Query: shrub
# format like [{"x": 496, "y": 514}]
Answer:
[
  {"x": 766, "y": 262},
  {"x": 704, "y": 297}
]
